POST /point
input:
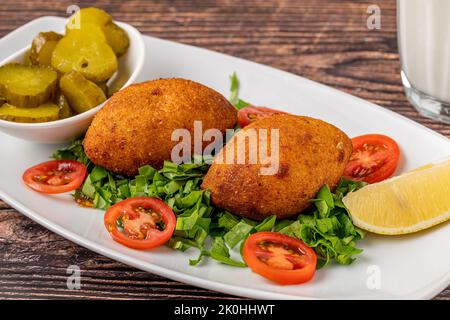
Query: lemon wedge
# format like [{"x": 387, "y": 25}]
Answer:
[{"x": 404, "y": 204}]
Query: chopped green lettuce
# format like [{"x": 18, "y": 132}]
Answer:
[{"x": 329, "y": 229}]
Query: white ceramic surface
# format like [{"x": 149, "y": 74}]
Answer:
[
  {"x": 412, "y": 267},
  {"x": 130, "y": 66}
]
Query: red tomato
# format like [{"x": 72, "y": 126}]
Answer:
[
  {"x": 251, "y": 113},
  {"x": 280, "y": 258},
  {"x": 374, "y": 158},
  {"x": 140, "y": 223},
  {"x": 57, "y": 176}
]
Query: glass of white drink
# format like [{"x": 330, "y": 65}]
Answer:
[{"x": 424, "y": 45}]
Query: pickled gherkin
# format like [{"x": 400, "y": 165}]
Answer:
[
  {"x": 81, "y": 93},
  {"x": 104, "y": 87},
  {"x": 63, "y": 75},
  {"x": 95, "y": 31},
  {"x": 117, "y": 38},
  {"x": 88, "y": 16},
  {"x": 65, "y": 111},
  {"x": 43, "y": 113},
  {"x": 42, "y": 47},
  {"x": 27, "y": 86},
  {"x": 26, "y": 59},
  {"x": 86, "y": 52}
]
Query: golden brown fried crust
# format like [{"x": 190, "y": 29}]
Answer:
[
  {"x": 312, "y": 153},
  {"x": 135, "y": 126}
]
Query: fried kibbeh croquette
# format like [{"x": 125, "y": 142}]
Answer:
[
  {"x": 311, "y": 153},
  {"x": 135, "y": 126}
]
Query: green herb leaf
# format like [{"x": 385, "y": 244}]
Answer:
[
  {"x": 292, "y": 229},
  {"x": 88, "y": 188},
  {"x": 234, "y": 96},
  {"x": 326, "y": 195},
  {"x": 267, "y": 224},
  {"x": 187, "y": 223},
  {"x": 220, "y": 252},
  {"x": 227, "y": 221},
  {"x": 282, "y": 224},
  {"x": 238, "y": 233},
  {"x": 74, "y": 151},
  {"x": 98, "y": 173}
]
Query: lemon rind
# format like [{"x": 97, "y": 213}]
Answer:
[{"x": 401, "y": 230}]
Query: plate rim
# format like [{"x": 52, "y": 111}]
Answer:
[{"x": 429, "y": 291}]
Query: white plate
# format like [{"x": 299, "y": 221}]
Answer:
[{"x": 412, "y": 267}]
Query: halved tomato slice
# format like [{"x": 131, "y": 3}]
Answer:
[
  {"x": 57, "y": 176},
  {"x": 251, "y": 113},
  {"x": 374, "y": 158},
  {"x": 140, "y": 223},
  {"x": 280, "y": 258}
]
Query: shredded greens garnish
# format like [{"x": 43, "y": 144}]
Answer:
[{"x": 328, "y": 228}]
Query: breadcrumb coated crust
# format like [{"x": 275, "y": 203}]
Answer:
[
  {"x": 312, "y": 153},
  {"x": 134, "y": 128}
]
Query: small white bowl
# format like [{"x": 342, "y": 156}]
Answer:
[{"x": 65, "y": 130}]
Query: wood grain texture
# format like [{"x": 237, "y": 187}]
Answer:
[{"x": 324, "y": 40}]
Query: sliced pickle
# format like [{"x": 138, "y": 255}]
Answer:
[
  {"x": 117, "y": 38},
  {"x": 104, "y": 87},
  {"x": 115, "y": 88},
  {"x": 81, "y": 93},
  {"x": 85, "y": 51},
  {"x": 43, "y": 113},
  {"x": 26, "y": 59},
  {"x": 87, "y": 16},
  {"x": 27, "y": 86},
  {"x": 65, "y": 111},
  {"x": 42, "y": 47},
  {"x": 94, "y": 30}
]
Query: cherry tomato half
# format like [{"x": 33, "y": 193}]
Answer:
[
  {"x": 251, "y": 113},
  {"x": 140, "y": 223},
  {"x": 374, "y": 158},
  {"x": 57, "y": 176},
  {"x": 279, "y": 258}
]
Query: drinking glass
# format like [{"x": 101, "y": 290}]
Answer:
[{"x": 423, "y": 29}]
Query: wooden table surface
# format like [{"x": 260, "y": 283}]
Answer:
[{"x": 324, "y": 40}]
